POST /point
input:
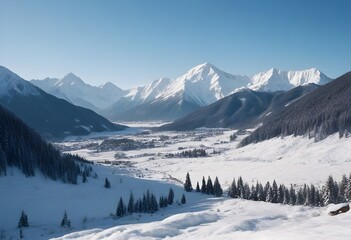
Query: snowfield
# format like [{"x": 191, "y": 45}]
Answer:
[{"x": 89, "y": 205}]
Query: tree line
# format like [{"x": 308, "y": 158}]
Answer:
[
  {"x": 146, "y": 204},
  {"x": 309, "y": 195}
]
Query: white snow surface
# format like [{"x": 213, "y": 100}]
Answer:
[
  {"x": 74, "y": 90},
  {"x": 11, "y": 83},
  {"x": 276, "y": 79},
  {"x": 296, "y": 160}
]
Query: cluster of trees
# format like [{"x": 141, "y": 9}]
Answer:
[
  {"x": 332, "y": 192},
  {"x": 23, "y": 221},
  {"x": 124, "y": 144},
  {"x": 21, "y": 147},
  {"x": 147, "y": 204},
  {"x": 325, "y": 111},
  {"x": 188, "y": 154},
  {"x": 206, "y": 187}
]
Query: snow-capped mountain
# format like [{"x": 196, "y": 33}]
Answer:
[
  {"x": 204, "y": 84},
  {"x": 48, "y": 115},
  {"x": 76, "y": 91},
  {"x": 276, "y": 79},
  {"x": 167, "y": 99}
]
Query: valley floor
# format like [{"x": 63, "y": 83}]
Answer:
[{"x": 294, "y": 160}]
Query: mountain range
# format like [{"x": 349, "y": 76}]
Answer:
[
  {"x": 167, "y": 99},
  {"x": 50, "y": 116}
]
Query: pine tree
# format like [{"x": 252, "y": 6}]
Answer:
[
  {"x": 217, "y": 189},
  {"x": 187, "y": 185},
  {"x": 197, "y": 187},
  {"x": 203, "y": 186},
  {"x": 84, "y": 177},
  {"x": 65, "y": 221},
  {"x": 23, "y": 221},
  {"x": 269, "y": 196},
  {"x": 343, "y": 188},
  {"x": 170, "y": 198},
  {"x": 240, "y": 188},
  {"x": 299, "y": 197},
  {"x": 209, "y": 186},
  {"x": 260, "y": 193},
  {"x": 348, "y": 189},
  {"x": 232, "y": 191},
  {"x": 292, "y": 195},
  {"x": 183, "y": 200},
  {"x": 130, "y": 208},
  {"x": 121, "y": 208},
  {"x": 281, "y": 190},
  {"x": 107, "y": 183},
  {"x": 286, "y": 198},
  {"x": 274, "y": 192},
  {"x": 328, "y": 192}
]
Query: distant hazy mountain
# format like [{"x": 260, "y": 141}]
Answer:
[
  {"x": 48, "y": 115},
  {"x": 74, "y": 90},
  {"x": 325, "y": 111},
  {"x": 200, "y": 86},
  {"x": 276, "y": 80},
  {"x": 244, "y": 108}
]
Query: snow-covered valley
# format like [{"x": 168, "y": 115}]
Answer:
[{"x": 155, "y": 164}]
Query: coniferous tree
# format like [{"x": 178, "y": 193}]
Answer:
[
  {"x": 130, "y": 208},
  {"x": 292, "y": 195},
  {"x": 65, "y": 222},
  {"x": 84, "y": 177},
  {"x": 342, "y": 188},
  {"x": 107, "y": 183},
  {"x": 183, "y": 200},
  {"x": 246, "y": 191},
  {"x": 328, "y": 192},
  {"x": 299, "y": 197},
  {"x": 281, "y": 193},
  {"x": 209, "y": 186},
  {"x": 232, "y": 191},
  {"x": 121, "y": 208},
  {"x": 187, "y": 185},
  {"x": 170, "y": 198},
  {"x": 203, "y": 186},
  {"x": 240, "y": 187},
  {"x": 269, "y": 195},
  {"x": 348, "y": 189},
  {"x": 217, "y": 189},
  {"x": 23, "y": 221},
  {"x": 274, "y": 192},
  {"x": 260, "y": 193},
  {"x": 197, "y": 187},
  {"x": 286, "y": 198},
  {"x": 153, "y": 204}
]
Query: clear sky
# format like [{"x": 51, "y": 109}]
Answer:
[{"x": 132, "y": 42}]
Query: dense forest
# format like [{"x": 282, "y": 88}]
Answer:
[
  {"x": 21, "y": 147},
  {"x": 325, "y": 111}
]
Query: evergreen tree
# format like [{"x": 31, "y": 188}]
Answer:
[
  {"x": 240, "y": 187},
  {"x": 84, "y": 177},
  {"x": 153, "y": 204},
  {"x": 187, "y": 185},
  {"x": 342, "y": 188},
  {"x": 328, "y": 192},
  {"x": 348, "y": 189},
  {"x": 281, "y": 190},
  {"x": 170, "y": 198},
  {"x": 232, "y": 191},
  {"x": 217, "y": 189},
  {"x": 107, "y": 183},
  {"x": 197, "y": 187},
  {"x": 65, "y": 221},
  {"x": 203, "y": 186},
  {"x": 292, "y": 195},
  {"x": 183, "y": 200},
  {"x": 121, "y": 209},
  {"x": 23, "y": 221},
  {"x": 274, "y": 192},
  {"x": 209, "y": 186},
  {"x": 130, "y": 208},
  {"x": 246, "y": 191},
  {"x": 265, "y": 190},
  {"x": 260, "y": 193},
  {"x": 269, "y": 196},
  {"x": 286, "y": 199},
  {"x": 299, "y": 197}
]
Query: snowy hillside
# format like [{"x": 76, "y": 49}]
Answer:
[
  {"x": 276, "y": 79},
  {"x": 73, "y": 89},
  {"x": 11, "y": 83}
]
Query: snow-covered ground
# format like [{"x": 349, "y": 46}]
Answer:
[{"x": 290, "y": 160}]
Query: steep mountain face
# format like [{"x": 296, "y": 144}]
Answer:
[
  {"x": 245, "y": 108},
  {"x": 48, "y": 115},
  {"x": 200, "y": 86},
  {"x": 325, "y": 111},
  {"x": 21, "y": 147},
  {"x": 276, "y": 80},
  {"x": 74, "y": 90}
]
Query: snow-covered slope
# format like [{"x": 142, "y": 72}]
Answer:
[
  {"x": 11, "y": 83},
  {"x": 76, "y": 91},
  {"x": 204, "y": 84},
  {"x": 148, "y": 92},
  {"x": 276, "y": 79}
]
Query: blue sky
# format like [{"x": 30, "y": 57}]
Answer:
[{"x": 132, "y": 42}]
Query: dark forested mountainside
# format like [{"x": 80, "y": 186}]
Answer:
[
  {"x": 325, "y": 111},
  {"x": 242, "y": 109},
  {"x": 21, "y": 147}
]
